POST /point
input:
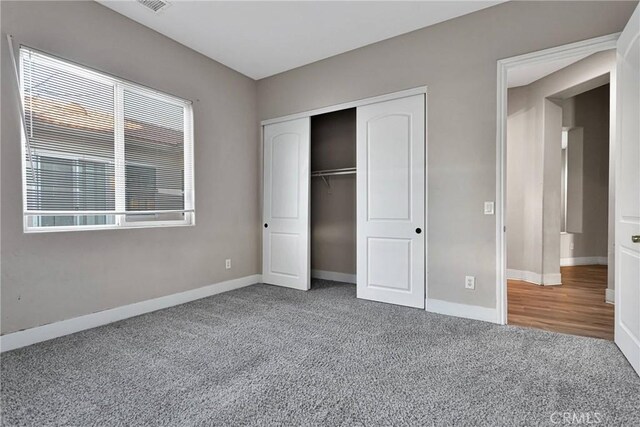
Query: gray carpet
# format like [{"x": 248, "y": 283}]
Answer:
[{"x": 264, "y": 355}]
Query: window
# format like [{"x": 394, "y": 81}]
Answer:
[
  {"x": 100, "y": 152},
  {"x": 69, "y": 181}
]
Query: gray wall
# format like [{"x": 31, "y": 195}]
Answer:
[
  {"x": 591, "y": 113},
  {"x": 552, "y": 146},
  {"x": 333, "y": 209},
  {"x": 524, "y": 192},
  {"x": 534, "y": 125},
  {"x": 457, "y": 61},
  {"x": 55, "y": 276}
]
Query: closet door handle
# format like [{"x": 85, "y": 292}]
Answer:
[
  {"x": 266, "y": 225},
  {"x": 418, "y": 230}
]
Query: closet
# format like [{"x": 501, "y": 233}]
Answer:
[
  {"x": 333, "y": 195},
  {"x": 345, "y": 192}
]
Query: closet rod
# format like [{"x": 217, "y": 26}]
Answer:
[{"x": 329, "y": 172}]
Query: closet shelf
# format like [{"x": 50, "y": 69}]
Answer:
[{"x": 330, "y": 172}]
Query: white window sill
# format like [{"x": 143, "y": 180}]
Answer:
[{"x": 159, "y": 224}]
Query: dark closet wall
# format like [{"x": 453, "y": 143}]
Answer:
[{"x": 333, "y": 208}]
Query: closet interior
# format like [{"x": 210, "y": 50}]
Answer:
[{"x": 333, "y": 196}]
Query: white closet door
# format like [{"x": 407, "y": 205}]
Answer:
[
  {"x": 391, "y": 201},
  {"x": 627, "y": 212},
  {"x": 285, "y": 238}
]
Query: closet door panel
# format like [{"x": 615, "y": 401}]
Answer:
[
  {"x": 388, "y": 164},
  {"x": 389, "y": 263},
  {"x": 285, "y": 170},
  {"x": 391, "y": 199},
  {"x": 285, "y": 248}
]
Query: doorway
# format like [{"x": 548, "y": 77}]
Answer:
[
  {"x": 625, "y": 149},
  {"x": 557, "y": 199},
  {"x": 556, "y": 185}
]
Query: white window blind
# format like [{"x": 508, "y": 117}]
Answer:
[{"x": 100, "y": 152}]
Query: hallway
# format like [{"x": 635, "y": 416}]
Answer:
[{"x": 576, "y": 307}]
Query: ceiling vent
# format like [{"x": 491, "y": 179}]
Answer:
[{"x": 154, "y": 5}]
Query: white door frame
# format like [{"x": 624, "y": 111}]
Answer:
[
  {"x": 587, "y": 47},
  {"x": 420, "y": 90},
  {"x": 346, "y": 105}
]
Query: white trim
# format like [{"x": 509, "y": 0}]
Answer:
[
  {"x": 426, "y": 198},
  {"x": 586, "y": 260},
  {"x": 474, "y": 312},
  {"x": 189, "y": 167},
  {"x": 589, "y": 46},
  {"x": 548, "y": 279},
  {"x": 610, "y": 296},
  {"x": 119, "y": 154},
  {"x": 353, "y": 104},
  {"x": 501, "y": 188},
  {"x": 552, "y": 279},
  {"x": 525, "y": 276},
  {"x": 129, "y": 226},
  {"x": 69, "y": 326},
  {"x": 333, "y": 275}
]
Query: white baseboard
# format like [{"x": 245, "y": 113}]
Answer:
[
  {"x": 548, "y": 279},
  {"x": 69, "y": 326},
  {"x": 526, "y": 276},
  {"x": 610, "y": 296},
  {"x": 333, "y": 275},
  {"x": 475, "y": 312},
  {"x": 552, "y": 279},
  {"x": 587, "y": 260}
]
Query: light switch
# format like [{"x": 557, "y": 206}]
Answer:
[{"x": 488, "y": 208}]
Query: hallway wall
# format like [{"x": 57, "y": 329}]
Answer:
[
  {"x": 534, "y": 127},
  {"x": 591, "y": 113}
]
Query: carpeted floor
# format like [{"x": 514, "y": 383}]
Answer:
[{"x": 264, "y": 355}]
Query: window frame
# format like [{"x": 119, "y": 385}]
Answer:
[{"x": 119, "y": 86}]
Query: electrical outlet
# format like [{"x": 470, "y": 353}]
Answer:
[
  {"x": 227, "y": 264},
  {"x": 571, "y": 246},
  {"x": 470, "y": 282}
]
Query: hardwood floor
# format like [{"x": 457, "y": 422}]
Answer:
[{"x": 576, "y": 307}]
